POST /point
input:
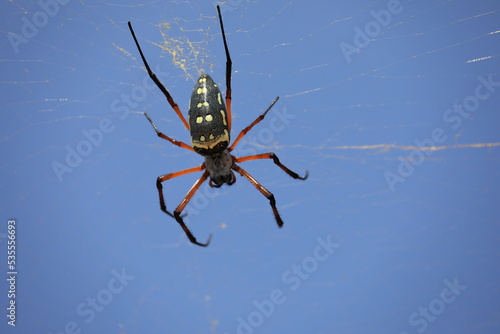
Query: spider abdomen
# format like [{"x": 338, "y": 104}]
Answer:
[{"x": 208, "y": 118}]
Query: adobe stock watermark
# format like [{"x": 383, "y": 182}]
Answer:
[
  {"x": 276, "y": 121},
  {"x": 424, "y": 315},
  {"x": 31, "y": 25},
  {"x": 453, "y": 115},
  {"x": 95, "y": 136},
  {"x": 293, "y": 278},
  {"x": 363, "y": 37},
  {"x": 97, "y": 303}
]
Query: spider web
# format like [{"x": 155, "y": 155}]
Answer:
[{"x": 390, "y": 105}]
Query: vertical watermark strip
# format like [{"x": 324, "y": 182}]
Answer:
[{"x": 11, "y": 272}]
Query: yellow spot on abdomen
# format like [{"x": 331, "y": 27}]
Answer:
[
  {"x": 199, "y": 119},
  {"x": 202, "y": 90},
  {"x": 225, "y": 136},
  {"x": 202, "y": 138},
  {"x": 223, "y": 113},
  {"x": 208, "y": 118},
  {"x": 219, "y": 98}
]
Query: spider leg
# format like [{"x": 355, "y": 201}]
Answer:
[
  {"x": 273, "y": 156},
  {"x": 158, "y": 82},
  {"x": 173, "y": 141},
  {"x": 262, "y": 190},
  {"x": 248, "y": 128},
  {"x": 166, "y": 177},
  {"x": 178, "y": 210},
  {"x": 229, "y": 65},
  {"x": 182, "y": 205}
]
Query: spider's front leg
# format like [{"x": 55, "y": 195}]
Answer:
[
  {"x": 276, "y": 161},
  {"x": 259, "y": 186},
  {"x": 269, "y": 195},
  {"x": 177, "y": 212},
  {"x": 182, "y": 205}
]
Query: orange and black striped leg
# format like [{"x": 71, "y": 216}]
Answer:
[
  {"x": 173, "y": 141},
  {"x": 166, "y": 177},
  {"x": 182, "y": 205},
  {"x": 248, "y": 128},
  {"x": 158, "y": 82},
  {"x": 229, "y": 65},
  {"x": 262, "y": 190},
  {"x": 178, "y": 210},
  {"x": 273, "y": 156}
]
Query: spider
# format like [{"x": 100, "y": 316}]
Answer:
[{"x": 209, "y": 122}]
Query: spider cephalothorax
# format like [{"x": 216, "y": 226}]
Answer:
[
  {"x": 219, "y": 166},
  {"x": 209, "y": 122}
]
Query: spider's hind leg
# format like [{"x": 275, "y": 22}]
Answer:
[{"x": 157, "y": 82}]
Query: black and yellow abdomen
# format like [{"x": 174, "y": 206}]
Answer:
[{"x": 208, "y": 118}]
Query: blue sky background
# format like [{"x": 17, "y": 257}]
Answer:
[{"x": 403, "y": 183}]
